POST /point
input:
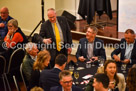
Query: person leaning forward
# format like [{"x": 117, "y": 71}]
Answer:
[
  {"x": 56, "y": 32},
  {"x": 90, "y": 47},
  {"x": 127, "y": 48}
]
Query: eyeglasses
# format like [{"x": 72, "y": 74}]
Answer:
[
  {"x": 67, "y": 82},
  {"x": 3, "y": 12},
  {"x": 51, "y": 17},
  {"x": 10, "y": 26},
  {"x": 90, "y": 32}
]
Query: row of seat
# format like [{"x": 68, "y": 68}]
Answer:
[{"x": 14, "y": 65}]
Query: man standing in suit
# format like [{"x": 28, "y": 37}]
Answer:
[
  {"x": 55, "y": 32},
  {"x": 4, "y": 18},
  {"x": 90, "y": 47},
  {"x": 127, "y": 48},
  {"x": 66, "y": 81},
  {"x": 50, "y": 78}
]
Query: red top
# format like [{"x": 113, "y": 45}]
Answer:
[{"x": 17, "y": 37}]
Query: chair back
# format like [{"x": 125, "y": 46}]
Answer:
[
  {"x": 2, "y": 65},
  {"x": 23, "y": 78},
  {"x": 2, "y": 70},
  {"x": 16, "y": 59}
]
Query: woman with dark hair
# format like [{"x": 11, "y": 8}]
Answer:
[
  {"x": 42, "y": 61},
  {"x": 117, "y": 80},
  {"x": 131, "y": 79}
]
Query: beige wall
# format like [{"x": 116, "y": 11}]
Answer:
[
  {"x": 114, "y": 4},
  {"x": 28, "y": 12}
]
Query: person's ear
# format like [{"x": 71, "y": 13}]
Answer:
[
  {"x": 64, "y": 65},
  {"x": 30, "y": 52},
  {"x": 100, "y": 83},
  {"x": 60, "y": 82}
]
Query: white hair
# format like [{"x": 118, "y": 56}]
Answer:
[{"x": 29, "y": 46}]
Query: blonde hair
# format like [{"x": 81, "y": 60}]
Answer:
[
  {"x": 36, "y": 89},
  {"x": 14, "y": 22},
  {"x": 41, "y": 58}
]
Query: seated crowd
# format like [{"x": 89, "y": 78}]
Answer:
[{"x": 46, "y": 67}]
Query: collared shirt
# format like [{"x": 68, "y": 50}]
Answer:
[
  {"x": 90, "y": 47},
  {"x": 60, "y": 30},
  {"x": 63, "y": 89},
  {"x": 57, "y": 67},
  {"x": 34, "y": 58},
  {"x": 128, "y": 51}
]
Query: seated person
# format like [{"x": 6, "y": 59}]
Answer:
[
  {"x": 90, "y": 47},
  {"x": 15, "y": 36},
  {"x": 42, "y": 61},
  {"x": 127, "y": 48},
  {"x": 66, "y": 82},
  {"x": 29, "y": 59},
  {"x": 50, "y": 78},
  {"x": 131, "y": 78},
  {"x": 117, "y": 80},
  {"x": 4, "y": 18},
  {"x": 101, "y": 82}
]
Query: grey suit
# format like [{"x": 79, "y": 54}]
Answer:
[{"x": 47, "y": 32}]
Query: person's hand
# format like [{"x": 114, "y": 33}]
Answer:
[
  {"x": 11, "y": 31},
  {"x": 95, "y": 58},
  {"x": 126, "y": 61},
  {"x": 2, "y": 25},
  {"x": 69, "y": 50},
  {"x": 47, "y": 41},
  {"x": 82, "y": 59},
  {"x": 111, "y": 85},
  {"x": 116, "y": 58}
]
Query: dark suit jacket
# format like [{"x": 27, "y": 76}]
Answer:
[
  {"x": 122, "y": 49},
  {"x": 47, "y": 32},
  {"x": 49, "y": 78},
  {"x": 59, "y": 88},
  {"x": 97, "y": 51}
]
